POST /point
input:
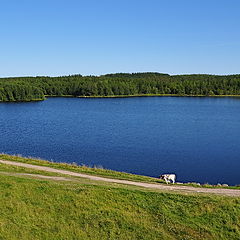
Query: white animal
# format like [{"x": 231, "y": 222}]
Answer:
[{"x": 168, "y": 178}]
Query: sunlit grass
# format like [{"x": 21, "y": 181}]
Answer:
[
  {"x": 100, "y": 171},
  {"x": 37, "y": 209}
]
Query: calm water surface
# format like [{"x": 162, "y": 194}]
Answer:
[{"x": 196, "y": 138}]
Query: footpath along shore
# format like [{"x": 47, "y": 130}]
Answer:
[{"x": 178, "y": 188}]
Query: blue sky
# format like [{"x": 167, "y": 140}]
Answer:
[{"x": 62, "y": 37}]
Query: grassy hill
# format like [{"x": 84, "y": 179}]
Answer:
[{"x": 35, "y": 208}]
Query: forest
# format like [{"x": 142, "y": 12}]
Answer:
[{"x": 19, "y": 89}]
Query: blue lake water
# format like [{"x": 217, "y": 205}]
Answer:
[{"x": 196, "y": 138}]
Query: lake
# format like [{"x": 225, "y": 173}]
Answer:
[{"x": 198, "y": 138}]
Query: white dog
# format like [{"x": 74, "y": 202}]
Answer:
[{"x": 168, "y": 178}]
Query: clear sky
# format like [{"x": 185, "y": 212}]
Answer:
[{"x": 62, "y": 37}]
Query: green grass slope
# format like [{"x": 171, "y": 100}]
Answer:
[
  {"x": 81, "y": 169},
  {"x": 47, "y": 209},
  {"x": 99, "y": 171}
]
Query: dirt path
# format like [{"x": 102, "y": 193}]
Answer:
[
  {"x": 55, "y": 178},
  {"x": 219, "y": 191}
]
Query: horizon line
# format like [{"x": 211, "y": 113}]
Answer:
[{"x": 99, "y": 75}]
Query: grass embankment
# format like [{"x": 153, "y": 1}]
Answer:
[
  {"x": 101, "y": 172},
  {"x": 82, "y": 169},
  {"x": 4, "y": 168},
  {"x": 45, "y": 209}
]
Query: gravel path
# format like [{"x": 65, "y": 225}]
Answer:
[
  {"x": 189, "y": 189},
  {"x": 37, "y": 176}
]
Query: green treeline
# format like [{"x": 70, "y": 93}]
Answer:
[{"x": 120, "y": 84}]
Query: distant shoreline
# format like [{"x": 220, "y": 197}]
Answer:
[
  {"x": 119, "y": 85},
  {"x": 122, "y": 96},
  {"x": 140, "y": 95},
  {"x": 156, "y": 95}
]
